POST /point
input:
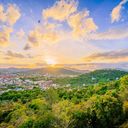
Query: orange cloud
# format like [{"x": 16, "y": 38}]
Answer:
[
  {"x": 60, "y": 10},
  {"x": 11, "y": 15},
  {"x": 116, "y": 12},
  {"x": 45, "y": 33},
  {"x": 2, "y": 14},
  {"x": 111, "y": 56},
  {"x": 8, "y": 18},
  {"x": 81, "y": 24},
  {"x": 27, "y": 47},
  {"x": 111, "y": 34},
  {"x": 5, "y": 36}
]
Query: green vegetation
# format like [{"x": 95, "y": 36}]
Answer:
[
  {"x": 104, "y": 105},
  {"x": 94, "y": 77}
]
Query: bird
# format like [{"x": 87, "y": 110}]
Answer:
[{"x": 38, "y": 21}]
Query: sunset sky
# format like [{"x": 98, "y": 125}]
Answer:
[{"x": 38, "y": 32}]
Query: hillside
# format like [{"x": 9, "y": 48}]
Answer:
[
  {"x": 100, "y": 106},
  {"x": 94, "y": 77},
  {"x": 13, "y": 70},
  {"x": 53, "y": 71},
  {"x": 45, "y": 70}
]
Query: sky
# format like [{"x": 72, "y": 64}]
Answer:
[{"x": 34, "y": 33}]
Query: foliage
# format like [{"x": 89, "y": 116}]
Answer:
[
  {"x": 96, "y": 106},
  {"x": 94, "y": 77}
]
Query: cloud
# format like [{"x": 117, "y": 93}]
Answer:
[
  {"x": 16, "y": 55},
  {"x": 20, "y": 34},
  {"x": 81, "y": 24},
  {"x": 27, "y": 47},
  {"x": 61, "y": 10},
  {"x": 8, "y": 17},
  {"x": 111, "y": 34},
  {"x": 117, "y": 56},
  {"x": 5, "y": 36},
  {"x": 116, "y": 12},
  {"x": 44, "y": 33},
  {"x": 66, "y": 11},
  {"x": 34, "y": 37},
  {"x": 11, "y": 15},
  {"x": 2, "y": 14}
]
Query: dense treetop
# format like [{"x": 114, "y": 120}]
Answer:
[
  {"x": 104, "y": 105},
  {"x": 94, "y": 77}
]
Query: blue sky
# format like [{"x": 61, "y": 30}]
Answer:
[
  {"x": 99, "y": 9},
  {"x": 47, "y": 34}
]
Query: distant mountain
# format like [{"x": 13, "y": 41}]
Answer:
[
  {"x": 99, "y": 66},
  {"x": 78, "y": 70},
  {"x": 121, "y": 69},
  {"x": 13, "y": 70},
  {"x": 54, "y": 71},
  {"x": 94, "y": 77},
  {"x": 46, "y": 70}
]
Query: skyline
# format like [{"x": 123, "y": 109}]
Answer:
[{"x": 51, "y": 32}]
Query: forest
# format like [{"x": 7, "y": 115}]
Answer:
[
  {"x": 93, "y": 77},
  {"x": 103, "y": 105}
]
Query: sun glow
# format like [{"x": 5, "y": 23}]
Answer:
[{"x": 50, "y": 61}]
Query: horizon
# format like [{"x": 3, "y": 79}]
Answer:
[
  {"x": 66, "y": 32},
  {"x": 79, "y": 67}
]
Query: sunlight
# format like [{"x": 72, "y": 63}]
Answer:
[{"x": 50, "y": 61}]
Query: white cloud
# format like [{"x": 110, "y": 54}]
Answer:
[
  {"x": 61, "y": 10},
  {"x": 111, "y": 56},
  {"x": 111, "y": 34},
  {"x": 8, "y": 17},
  {"x": 5, "y": 36},
  {"x": 116, "y": 12},
  {"x": 44, "y": 33},
  {"x": 2, "y": 14},
  {"x": 81, "y": 24},
  {"x": 11, "y": 15}
]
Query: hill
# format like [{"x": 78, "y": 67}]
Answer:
[
  {"x": 53, "y": 71},
  {"x": 45, "y": 70},
  {"x": 94, "y": 77},
  {"x": 13, "y": 70},
  {"x": 100, "y": 106}
]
